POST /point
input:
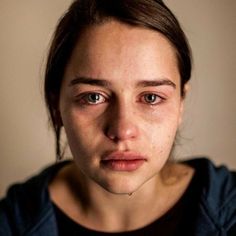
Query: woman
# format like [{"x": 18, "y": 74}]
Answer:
[{"x": 116, "y": 79}]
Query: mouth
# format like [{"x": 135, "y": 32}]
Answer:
[{"x": 123, "y": 161}]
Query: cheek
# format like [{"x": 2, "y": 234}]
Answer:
[
  {"x": 162, "y": 138},
  {"x": 83, "y": 132},
  {"x": 162, "y": 128},
  {"x": 75, "y": 130}
]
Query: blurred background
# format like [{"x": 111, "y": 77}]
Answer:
[{"x": 26, "y": 140}]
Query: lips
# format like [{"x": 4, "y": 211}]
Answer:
[{"x": 123, "y": 161}]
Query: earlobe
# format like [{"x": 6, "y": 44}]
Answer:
[
  {"x": 185, "y": 91},
  {"x": 181, "y": 112}
]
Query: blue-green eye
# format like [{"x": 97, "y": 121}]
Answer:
[{"x": 151, "y": 98}]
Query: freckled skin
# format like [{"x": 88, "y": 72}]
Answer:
[{"x": 122, "y": 119}]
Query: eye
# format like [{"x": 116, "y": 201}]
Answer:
[
  {"x": 92, "y": 98},
  {"x": 151, "y": 98}
]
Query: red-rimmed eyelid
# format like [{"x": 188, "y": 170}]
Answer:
[
  {"x": 158, "y": 94},
  {"x": 83, "y": 98},
  {"x": 157, "y": 99}
]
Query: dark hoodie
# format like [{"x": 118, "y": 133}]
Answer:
[{"x": 27, "y": 209}]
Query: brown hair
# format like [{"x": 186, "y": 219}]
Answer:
[{"x": 152, "y": 14}]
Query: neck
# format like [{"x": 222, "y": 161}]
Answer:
[{"x": 86, "y": 201}]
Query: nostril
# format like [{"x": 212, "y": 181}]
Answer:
[{"x": 121, "y": 130}]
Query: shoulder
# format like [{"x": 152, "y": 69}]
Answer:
[
  {"x": 27, "y": 204},
  {"x": 217, "y": 193},
  {"x": 217, "y": 181}
]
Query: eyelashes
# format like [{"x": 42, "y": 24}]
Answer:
[
  {"x": 151, "y": 99},
  {"x": 98, "y": 98},
  {"x": 93, "y": 98}
]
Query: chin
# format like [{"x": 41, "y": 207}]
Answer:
[
  {"x": 122, "y": 186},
  {"x": 121, "y": 191}
]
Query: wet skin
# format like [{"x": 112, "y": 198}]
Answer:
[{"x": 121, "y": 106}]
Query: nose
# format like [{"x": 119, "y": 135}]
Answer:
[{"x": 122, "y": 125}]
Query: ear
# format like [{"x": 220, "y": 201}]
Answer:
[
  {"x": 185, "y": 92},
  {"x": 186, "y": 89}
]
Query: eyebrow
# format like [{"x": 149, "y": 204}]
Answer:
[
  {"x": 105, "y": 83},
  {"x": 90, "y": 81},
  {"x": 159, "y": 82}
]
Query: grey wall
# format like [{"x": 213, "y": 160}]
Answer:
[{"x": 26, "y": 143}]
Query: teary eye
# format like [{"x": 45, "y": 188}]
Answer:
[
  {"x": 151, "y": 98},
  {"x": 93, "y": 98}
]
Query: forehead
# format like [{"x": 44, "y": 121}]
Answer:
[{"x": 117, "y": 50}]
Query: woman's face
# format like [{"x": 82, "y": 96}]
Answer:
[{"x": 120, "y": 105}]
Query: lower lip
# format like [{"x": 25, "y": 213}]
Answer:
[{"x": 123, "y": 165}]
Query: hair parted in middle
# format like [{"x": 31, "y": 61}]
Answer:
[{"x": 151, "y": 14}]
